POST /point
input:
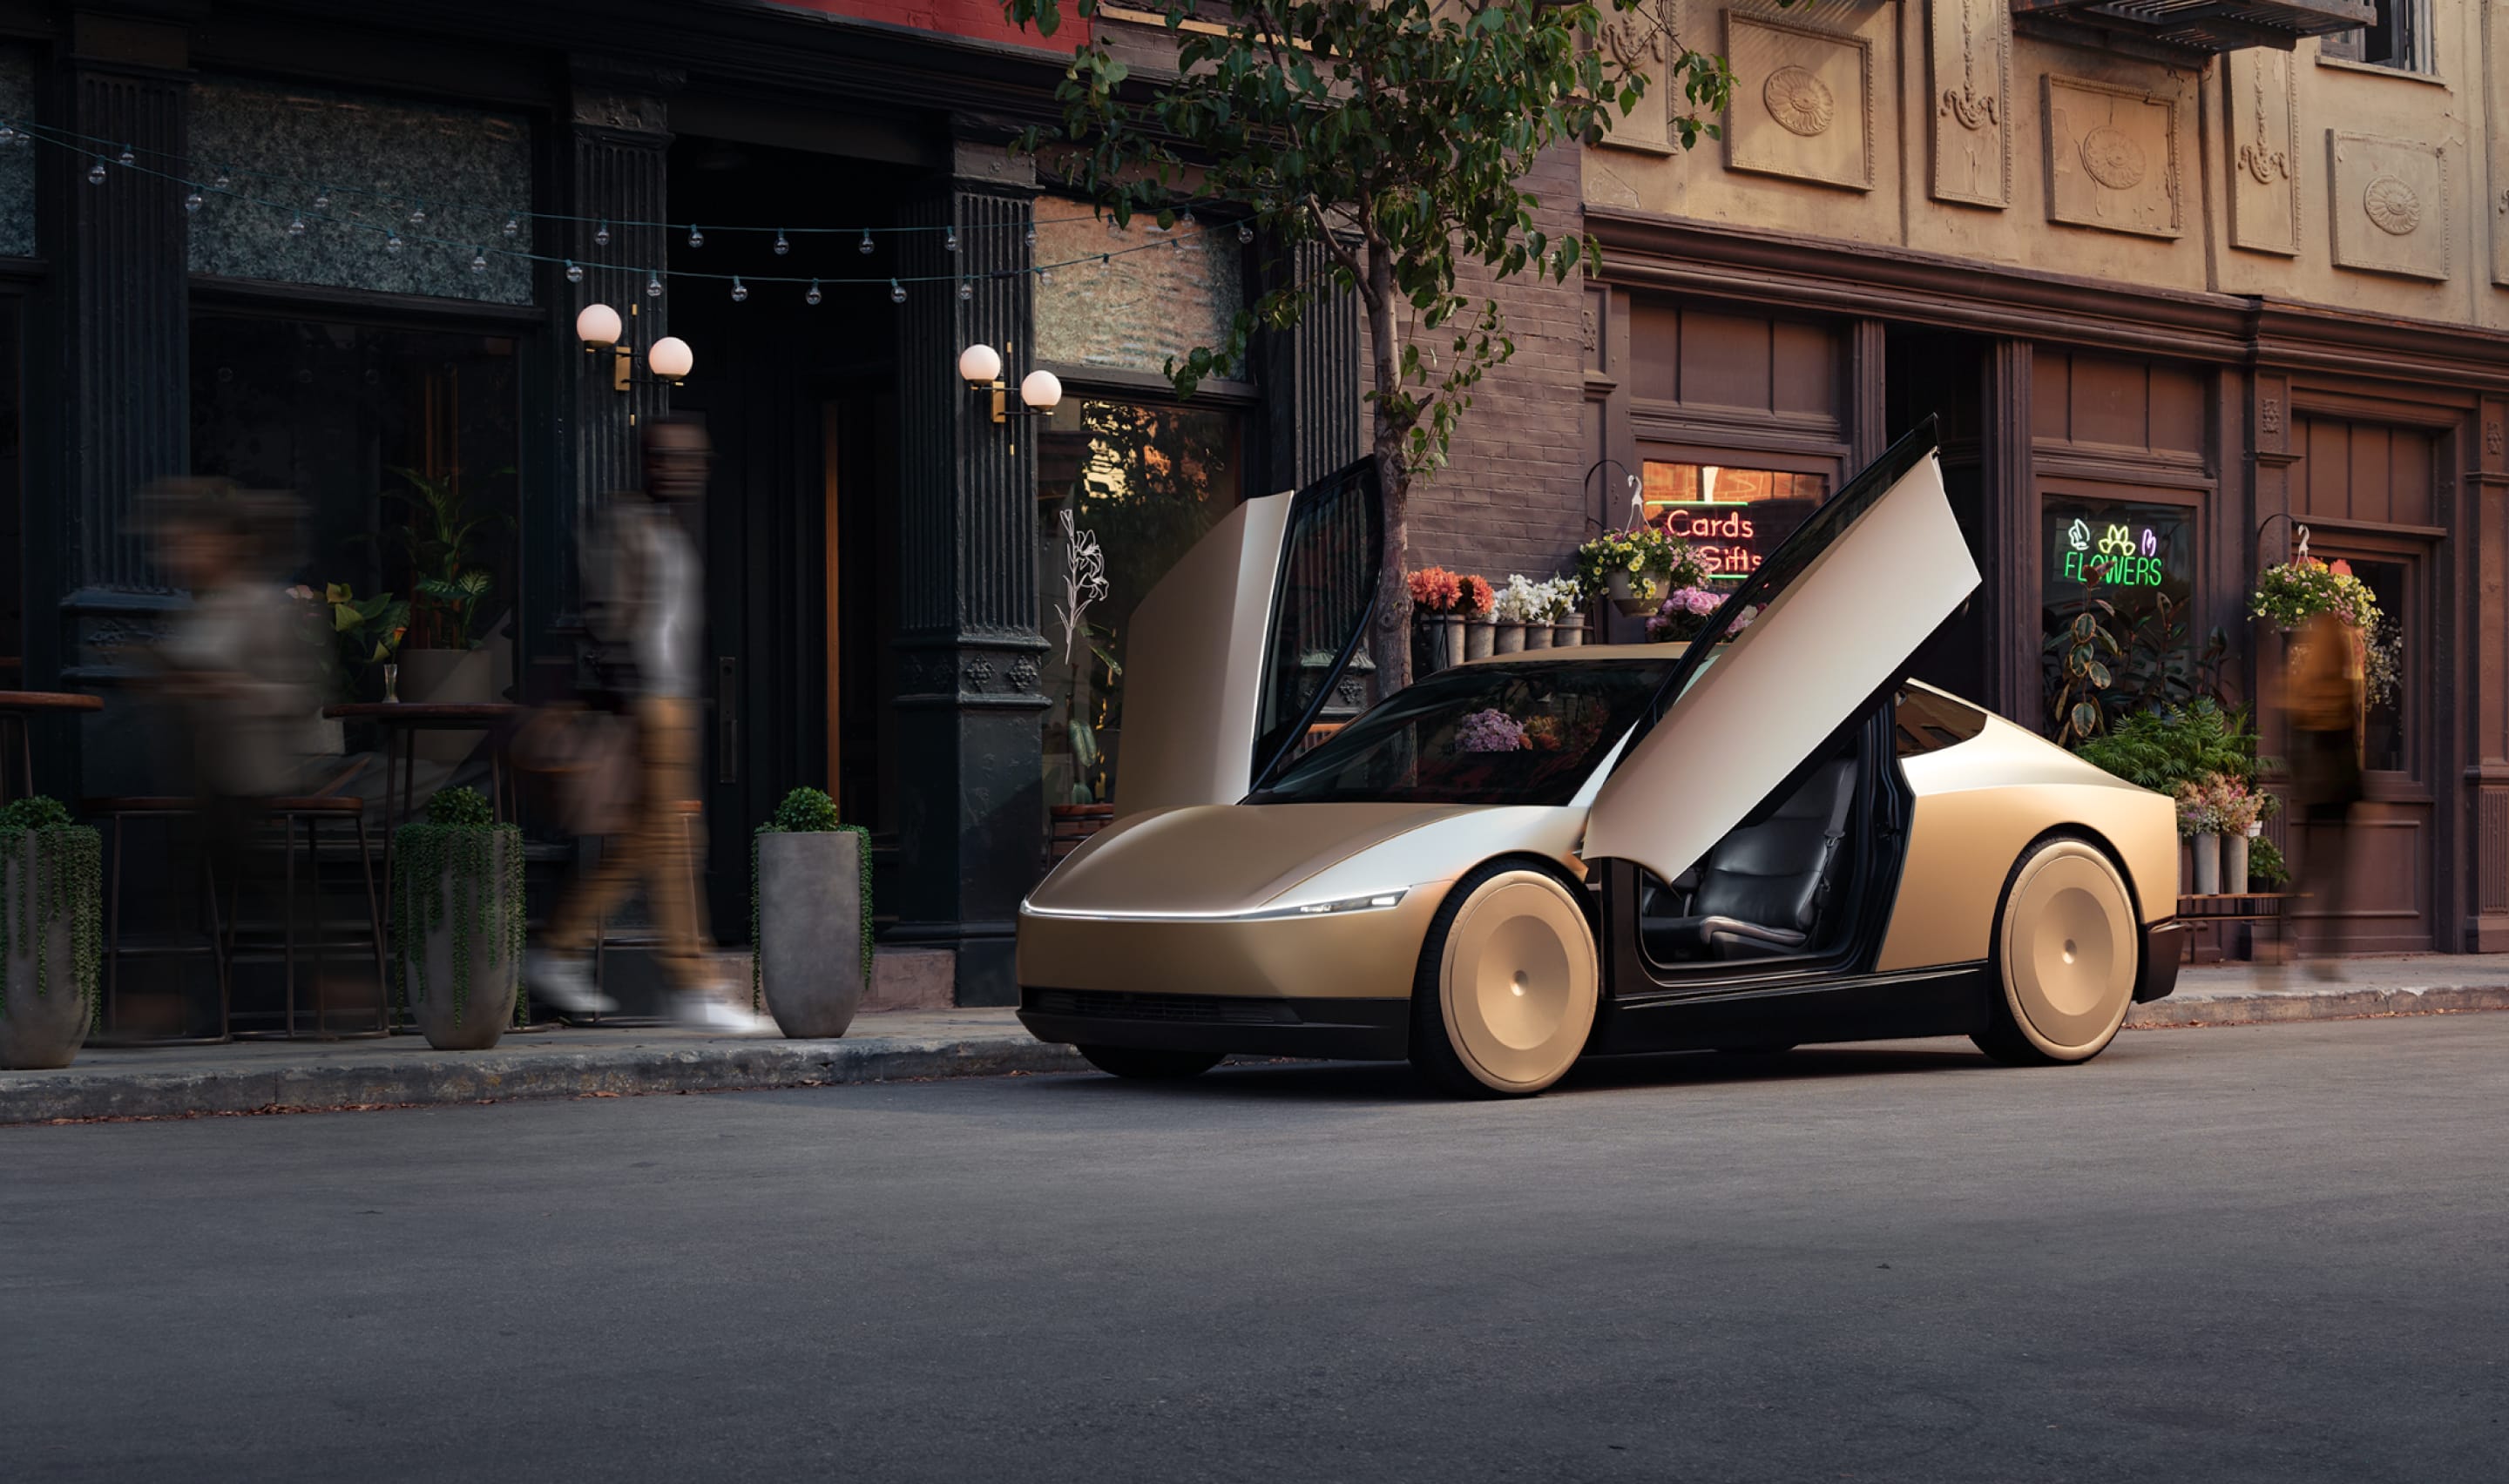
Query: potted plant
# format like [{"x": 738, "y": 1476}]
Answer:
[
  {"x": 1085, "y": 808},
  {"x": 1683, "y": 614},
  {"x": 457, "y": 920},
  {"x": 809, "y": 918},
  {"x": 1637, "y": 566},
  {"x": 1526, "y": 606},
  {"x": 1479, "y": 629},
  {"x": 51, "y": 896},
  {"x": 440, "y": 659},
  {"x": 2243, "y": 823},
  {"x": 1567, "y": 612},
  {"x": 2200, "y": 824},
  {"x": 2291, "y": 593},
  {"x": 1437, "y": 633}
]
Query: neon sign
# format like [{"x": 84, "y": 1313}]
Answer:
[
  {"x": 1723, "y": 534},
  {"x": 2114, "y": 553}
]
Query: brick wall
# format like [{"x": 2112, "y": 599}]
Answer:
[{"x": 1510, "y": 498}]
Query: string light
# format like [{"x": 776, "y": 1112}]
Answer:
[
  {"x": 391, "y": 241},
  {"x": 417, "y": 214},
  {"x": 601, "y": 237},
  {"x": 813, "y": 296},
  {"x": 1245, "y": 234},
  {"x": 696, "y": 238},
  {"x": 96, "y": 171},
  {"x": 224, "y": 182},
  {"x": 297, "y": 225},
  {"x": 740, "y": 290},
  {"x": 192, "y": 202},
  {"x": 573, "y": 274},
  {"x": 896, "y": 293},
  {"x": 781, "y": 247},
  {"x": 866, "y": 242},
  {"x": 479, "y": 260},
  {"x": 1029, "y": 236},
  {"x": 128, "y": 159},
  {"x": 322, "y": 198},
  {"x": 8, "y": 133},
  {"x": 514, "y": 227},
  {"x": 966, "y": 290},
  {"x": 949, "y": 242},
  {"x": 653, "y": 286}
]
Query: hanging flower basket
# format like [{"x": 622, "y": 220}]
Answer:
[
  {"x": 2289, "y": 594},
  {"x": 1636, "y": 568}
]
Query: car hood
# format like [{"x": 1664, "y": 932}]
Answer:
[{"x": 1218, "y": 859}]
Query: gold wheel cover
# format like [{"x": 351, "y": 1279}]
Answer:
[
  {"x": 1518, "y": 983},
  {"x": 2069, "y": 950}
]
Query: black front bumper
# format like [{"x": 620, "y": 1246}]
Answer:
[
  {"x": 1338, "y": 1029},
  {"x": 2163, "y": 944}
]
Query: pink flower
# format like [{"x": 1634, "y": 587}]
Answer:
[{"x": 1490, "y": 731}]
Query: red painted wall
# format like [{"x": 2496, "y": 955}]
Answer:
[{"x": 977, "y": 19}]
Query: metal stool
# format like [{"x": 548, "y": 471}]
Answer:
[
  {"x": 313, "y": 810},
  {"x": 116, "y": 812}
]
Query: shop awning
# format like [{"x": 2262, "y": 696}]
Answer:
[{"x": 2180, "y": 30}]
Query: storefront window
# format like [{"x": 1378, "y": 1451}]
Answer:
[
  {"x": 1137, "y": 483},
  {"x": 359, "y": 424},
  {"x": 1732, "y": 517},
  {"x": 2138, "y": 561},
  {"x": 1107, "y": 300}
]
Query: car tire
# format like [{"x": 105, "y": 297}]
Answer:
[
  {"x": 2063, "y": 958},
  {"x": 1505, "y": 997},
  {"x": 1143, "y": 1063}
]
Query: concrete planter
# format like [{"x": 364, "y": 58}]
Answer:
[
  {"x": 1569, "y": 633},
  {"x": 39, "y": 1030},
  {"x": 1479, "y": 634},
  {"x": 2235, "y": 863},
  {"x": 487, "y": 1007},
  {"x": 1537, "y": 636},
  {"x": 1507, "y": 637},
  {"x": 2207, "y": 849},
  {"x": 809, "y": 930}
]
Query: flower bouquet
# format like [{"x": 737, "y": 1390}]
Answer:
[
  {"x": 1682, "y": 614},
  {"x": 1489, "y": 730}
]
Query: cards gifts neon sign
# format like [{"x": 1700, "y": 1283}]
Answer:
[
  {"x": 1723, "y": 534},
  {"x": 2114, "y": 553}
]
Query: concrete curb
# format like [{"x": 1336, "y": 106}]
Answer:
[
  {"x": 444, "y": 1078},
  {"x": 2260, "y": 1006}
]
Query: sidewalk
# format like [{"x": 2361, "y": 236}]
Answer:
[{"x": 278, "y": 1076}]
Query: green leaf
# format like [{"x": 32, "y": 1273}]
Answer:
[{"x": 2085, "y": 719}]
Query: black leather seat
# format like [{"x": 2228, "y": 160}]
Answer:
[{"x": 1763, "y": 889}]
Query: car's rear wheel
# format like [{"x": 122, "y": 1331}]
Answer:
[
  {"x": 2064, "y": 957},
  {"x": 1147, "y": 1065},
  {"x": 1504, "y": 996}
]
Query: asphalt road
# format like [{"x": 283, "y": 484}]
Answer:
[{"x": 2271, "y": 1253}]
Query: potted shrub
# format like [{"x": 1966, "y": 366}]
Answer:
[
  {"x": 457, "y": 920},
  {"x": 1480, "y": 631},
  {"x": 1637, "y": 566},
  {"x": 809, "y": 918},
  {"x": 51, "y": 942},
  {"x": 440, "y": 659},
  {"x": 1437, "y": 598}
]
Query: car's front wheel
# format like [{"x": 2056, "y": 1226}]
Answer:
[
  {"x": 1504, "y": 995},
  {"x": 2064, "y": 957},
  {"x": 1147, "y": 1065}
]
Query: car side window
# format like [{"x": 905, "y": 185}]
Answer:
[{"x": 1926, "y": 720}]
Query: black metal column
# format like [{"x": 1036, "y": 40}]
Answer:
[
  {"x": 1309, "y": 373},
  {"x": 972, "y": 806}
]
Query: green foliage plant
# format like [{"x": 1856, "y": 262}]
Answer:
[
  {"x": 443, "y": 539},
  {"x": 2291, "y": 593},
  {"x": 60, "y": 876},
  {"x": 2162, "y": 750},
  {"x": 1388, "y": 139},
  {"x": 1647, "y": 555},
  {"x": 449, "y": 868},
  {"x": 2083, "y": 651},
  {"x": 2265, "y": 863},
  {"x": 803, "y": 811}
]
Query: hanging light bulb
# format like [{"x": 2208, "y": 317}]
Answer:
[
  {"x": 949, "y": 240},
  {"x": 781, "y": 247},
  {"x": 128, "y": 158},
  {"x": 223, "y": 182},
  {"x": 740, "y": 290},
  {"x": 479, "y": 260},
  {"x": 1245, "y": 233},
  {"x": 653, "y": 286},
  {"x": 865, "y": 245},
  {"x": 192, "y": 202},
  {"x": 573, "y": 272},
  {"x": 391, "y": 241},
  {"x": 1030, "y": 236},
  {"x": 696, "y": 238},
  {"x": 514, "y": 225},
  {"x": 966, "y": 290},
  {"x": 601, "y": 236},
  {"x": 297, "y": 225},
  {"x": 96, "y": 173},
  {"x": 8, "y": 133},
  {"x": 322, "y": 197},
  {"x": 813, "y": 296},
  {"x": 417, "y": 214},
  {"x": 896, "y": 293},
  {"x": 1045, "y": 275}
]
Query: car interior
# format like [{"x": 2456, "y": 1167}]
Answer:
[{"x": 1770, "y": 887}]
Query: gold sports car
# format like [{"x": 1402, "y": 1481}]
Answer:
[{"x": 1765, "y": 837}]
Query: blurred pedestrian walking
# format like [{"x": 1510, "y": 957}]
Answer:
[
  {"x": 2323, "y": 715},
  {"x": 645, "y": 589}
]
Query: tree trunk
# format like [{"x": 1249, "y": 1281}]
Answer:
[{"x": 1392, "y": 641}]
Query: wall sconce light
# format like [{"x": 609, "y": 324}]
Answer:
[
  {"x": 600, "y": 328},
  {"x": 981, "y": 367}
]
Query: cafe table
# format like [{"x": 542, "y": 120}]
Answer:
[
  {"x": 401, "y": 722},
  {"x": 18, "y": 708}
]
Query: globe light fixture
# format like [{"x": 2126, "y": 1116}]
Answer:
[
  {"x": 671, "y": 359},
  {"x": 600, "y": 328},
  {"x": 979, "y": 365}
]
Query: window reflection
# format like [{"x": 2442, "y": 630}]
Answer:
[
  {"x": 1731, "y": 517},
  {"x": 1144, "y": 482}
]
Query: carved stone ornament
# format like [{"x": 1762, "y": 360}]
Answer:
[
  {"x": 2263, "y": 139},
  {"x": 1802, "y": 104},
  {"x": 1969, "y": 50},
  {"x": 2492, "y": 437},
  {"x": 1636, "y": 38},
  {"x": 1799, "y": 101},
  {"x": 1585, "y": 328},
  {"x": 2389, "y": 201},
  {"x": 2113, "y": 157},
  {"x": 2270, "y": 415}
]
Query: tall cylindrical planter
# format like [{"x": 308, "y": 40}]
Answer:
[
  {"x": 1478, "y": 633},
  {"x": 1450, "y": 637},
  {"x": 43, "y": 1009},
  {"x": 458, "y": 926},
  {"x": 1507, "y": 637},
  {"x": 2207, "y": 850},
  {"x": 1569, "y": 633},
  {"x": 2235, "y": 863},
  {"x": 1537, "y": 636},
  {"x": 811, "y": 930},
  {"x": 1428, "y": 644}
]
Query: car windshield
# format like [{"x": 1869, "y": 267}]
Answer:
[{"x": 1516, "y": 733}]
